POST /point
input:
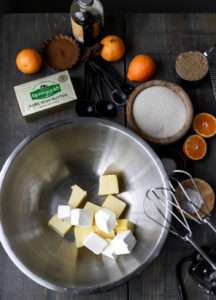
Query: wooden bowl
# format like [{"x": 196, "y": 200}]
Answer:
[
  {"x": 177, "y": 90},
  {"x": 206, "y": 192}
]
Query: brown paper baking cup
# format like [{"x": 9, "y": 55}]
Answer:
[{"x": 61, "y": 52}]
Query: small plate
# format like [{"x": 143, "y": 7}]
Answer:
[{"x": 206, "y": 193}]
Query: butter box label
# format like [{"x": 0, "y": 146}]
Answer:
[{"x": 45, "y": 93}]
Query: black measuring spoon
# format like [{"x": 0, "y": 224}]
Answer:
[
  {"x": 113, "y": 76},
  {"x": 117, "y": 95},
  {"x": 103, "y": 107},
  {"x": 85, "y": 107},
  {"x": 111, "y": 72}
]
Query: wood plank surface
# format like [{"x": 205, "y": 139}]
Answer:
[
  {"x": 161, "y": 35},
  {"x": 32, "y": 30},
  {"x": 164, "y": 36},
  {"x": 17, "y": 32}
]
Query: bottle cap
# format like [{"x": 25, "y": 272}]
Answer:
[{"x": 85, "y": 2}]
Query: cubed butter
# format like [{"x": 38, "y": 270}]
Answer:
[
  {"x": 81, "y": 217},
  {"x": 108, "y": 185},
  {"x": 93, "y": 208},
  {"x": 103, "y": 234},
  {"x": 95, "y": 243},
  {"x": 124, "y": 242},
  {"x": 80, "y": 234},
  {"x": 77, "y": 196},
  {"x": 105, "y": 220},
  {"x": 59, "y": 226},
  {"x": 124, "y": 225},
  {"x": 114, "y": 204}
]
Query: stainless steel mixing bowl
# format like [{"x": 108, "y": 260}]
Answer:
[{"x": 37, "y": 177}]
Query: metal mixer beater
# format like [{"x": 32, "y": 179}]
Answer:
[{"x": 192, "y": 206}]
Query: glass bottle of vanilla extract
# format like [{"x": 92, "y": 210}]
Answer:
[{"x": 87, "y": 20}]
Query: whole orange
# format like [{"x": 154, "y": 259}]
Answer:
[
  {"x": 141, "y": 68},
  {"x": 113, "y": 48},
  {"x": 28, "y": 61}
]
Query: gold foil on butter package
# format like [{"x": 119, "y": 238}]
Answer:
[{"x": 45, "y": 93}]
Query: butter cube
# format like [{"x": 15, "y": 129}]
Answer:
[
  {"x": 124, "y": 242},
  {"x": 81, "y": 217},
  {"x": 114, "y": 204},
  {"x": 103, "y": 234},
  {"x": 77, "y": 196},
  {"x": 124, "y": 225},
  {"x": 93, "y": 208},
  {"x": 59, "y": 226},
  {"x": 108, "y": 185},
  {"x": 109, "y": 251},
  {"x": 105, "y": 220},
  {"x": 95, "y": 243},
  {"x": 64, "y": 212},
  {"x": 80, "y": 234}
]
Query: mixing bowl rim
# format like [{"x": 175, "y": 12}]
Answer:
[{"x": 86, "y": 290}]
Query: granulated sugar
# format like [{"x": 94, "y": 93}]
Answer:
[{"x": 159, "y": 112}]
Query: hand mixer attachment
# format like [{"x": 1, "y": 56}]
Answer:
[
  {"x": 197, "y": 206},
  {"x": 160, "y": 199},
  {"x": 182, "y": 228}
]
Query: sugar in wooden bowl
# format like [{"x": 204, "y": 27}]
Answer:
[{"x": 160, "y": 111}]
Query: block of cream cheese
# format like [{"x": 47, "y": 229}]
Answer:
[
  {"x": 109, "y": 251},
  {"x": 124, "y": 225},
  {"x": 60, "y": 226},
  {"x": 80, "y": 234},
  {"x": 81, "y": 217},
  {"x": 105, "y": 220},
  {"x": 77, "y": 196},
  {"x": 45, "y": 93},
  {"x": 64, "y": 212},
  {"x": 124, "y": 242},
  {"x": 95, "y": 243},
  {"x": 114, "y": 204},
  {"x": 108, "y": 185}
]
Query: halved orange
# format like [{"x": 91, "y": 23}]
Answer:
[
  {"x": 195, "y": 147},
  {"x": 204, "y": 124}
]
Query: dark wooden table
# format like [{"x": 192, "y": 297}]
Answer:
[{"x": 161, "y": 35}]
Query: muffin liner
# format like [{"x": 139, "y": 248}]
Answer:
[{"x": 61, "y": 52}]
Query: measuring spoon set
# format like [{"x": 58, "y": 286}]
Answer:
[{"x": 104, "y": 91}]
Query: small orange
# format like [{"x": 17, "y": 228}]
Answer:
[
  {"x": 28, "y": 61},
  {"x": 141, "y": 68},
  {"x": 113, "y": 48},
  {"x": 204, "y": 124},
  {"x": 195, "y": 147}
]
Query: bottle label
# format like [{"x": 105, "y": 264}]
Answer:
[{"x": 78, "y": 31}]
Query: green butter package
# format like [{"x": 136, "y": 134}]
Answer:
[{"x": 45, "y": 93}]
